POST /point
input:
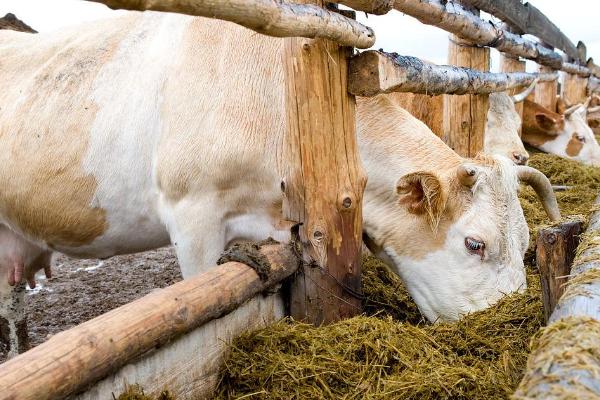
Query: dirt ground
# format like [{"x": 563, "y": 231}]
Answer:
[{"x": 80, "y": 290}]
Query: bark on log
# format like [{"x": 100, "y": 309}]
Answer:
[
  {"x": 324, "y": 182},
  {"x": 545, "y": 92},
  {"x": 509, "y": 64},
  {"x": 555, "y": 251},
  {"x": 270, "y": 17},
  {"x": 453, "y": 18},
  {"x": 71, "y": 360},
  {"x": 527, "y": 19},
  {"x": 377, "y": 7},
  {"x": 465, "y": 116},
  {"x": 565, "y": 361},
  {"x": 576, "y": 69},
  {"x": 374, "y": 72}
]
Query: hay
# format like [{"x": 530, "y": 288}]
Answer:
[
  {"x": 135, "y": 392},
  {"x": 391, "y": 352}
]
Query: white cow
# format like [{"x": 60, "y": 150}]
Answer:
[{"x": 132, "y": 133}]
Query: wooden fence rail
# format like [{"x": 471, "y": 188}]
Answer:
[
  {"x": 72, "y": 360},
  {"x": 375, "y": 72},
  {"x": 274, "y": 18}
]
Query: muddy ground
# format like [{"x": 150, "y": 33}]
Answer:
[{"x": 80, "y": 290}]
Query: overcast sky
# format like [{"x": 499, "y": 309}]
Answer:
[{"x": 578, "y": 19}]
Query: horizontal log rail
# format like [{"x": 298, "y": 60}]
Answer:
[
  {"x": 374, "y": 72},
  {"x": 565, "y": 359},
  {"x": 525, "y": 18},
  {"x": 454, "y": 18},
  {"x": 270, "y": 17},
  {"x": 576, "y": 69},
  {"x": 377, "y": 7},
  {"x": 72, "y": 360}
]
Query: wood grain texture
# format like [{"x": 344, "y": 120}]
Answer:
[
  {"x": 545, "y": 92},
  {"x": 511, "y": 64},
  {"x": 555, "y": 251},
  {"x": 274, "y": 18},
  {"x": 324, "y": 182},
  {"x": 574, "y": 89},
  {"x": 375, "y": 72},
  {"x": 71, "y": 360},
  {"x": 465, "y": 116}
]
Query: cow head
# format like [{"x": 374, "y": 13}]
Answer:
[
  {"x": 457, "y": 236},
  {"x": 502, "y": 129},
  {"x": 564, "y": 133}
]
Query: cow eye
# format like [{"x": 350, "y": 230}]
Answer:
[
  {"x": 581, "y": 138},
  {"x": 475, "y": 246}
]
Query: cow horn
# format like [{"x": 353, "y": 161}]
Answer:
[
  {"x": 571, "y": 110},
  {"x": 517, "y": 98},
  {"x": 592, "y": 110},
  {"x": 467, "y": 175},
  {"x": 542, "y": 187}
]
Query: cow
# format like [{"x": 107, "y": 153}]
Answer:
[
  {"x": 564, "y": 132},
  {"x": 502, "y": 128},
  {"x": 132, "y": 133}
]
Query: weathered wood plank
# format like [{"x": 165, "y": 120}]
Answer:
[
  {"x": 274, "y": 18},
  {"x": 324, "y": 182},
  {"x": 510, "y": 64},
  {"x": 555, "y": 251},
  {"x": 539, "y": 25},
  {"x": 465, "y": 116},
  {"x": 546, "y": 92},
  {"x": 565, "y": 362},
  {"x": 573, "y": 89},
  {"x": 71, "y": 360},
  {"x": 374, "y": 72}
]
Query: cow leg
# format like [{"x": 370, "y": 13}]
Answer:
[
  {"x": 197, "y": 232},
  {"x": 13, "y": 322}
]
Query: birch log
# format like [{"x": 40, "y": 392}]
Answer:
[
  {"x": 271, "y": 17},
  {"x": 374, "y": 72},
  {"x": 71, "y": 360},
  {"x": 565, "y": 359},
  {"x": 575, "y": 69},
  {"x": 455, "y": 19},
  {"x": 377, "y": 7}
]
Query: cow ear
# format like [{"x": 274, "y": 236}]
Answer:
[
  {"x": 422, "y": 193},
  {"x": 550, "y": 123}
]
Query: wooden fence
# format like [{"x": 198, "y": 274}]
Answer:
[{"x": 149, "y": 338}]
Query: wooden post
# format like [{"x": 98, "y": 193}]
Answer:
[
  {"x": 555, "y": 251},
  {"x": 546, "y": 92},
  {"x": 324, "y": 182},
  {"x": 510, "y": 63},
  {"x": 574, "y": 89},
  {"x": 465, "y": 116}
]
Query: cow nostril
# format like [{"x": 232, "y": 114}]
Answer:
[{"x": 520, "y": 159}]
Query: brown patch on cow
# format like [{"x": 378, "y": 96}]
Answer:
[
  {"x": 44, "y": 136},
  {"x": 540, "y": 125},
  {"x": 574, "y": 146}
]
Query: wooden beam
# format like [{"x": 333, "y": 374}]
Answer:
[
  {"x": 509, "y": 64},
  {"x": 546, "y": 92},
  {"x": 377, "y": 7},
  {"x": 581, "y": 51},
  {"x": 465, "y": 116},
  {"x": 574, "y": 89},
  {"x": 273, "y": 18},
  {"x": 375, "y": 72},
  {"x": 71, "y": 360},
  {"x": 565, "y": 362},
  {"x": 575, "y": 69},
  {"x": 454, "y": 18},
  {"x": 324, "y": 185},
  {"x": 539, "y": 25},
  {"x": 555, "y": 251}
]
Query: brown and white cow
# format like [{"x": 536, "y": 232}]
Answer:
[
  {"x": 133, "y": 133},
  {"x": 565, "y": 132}
]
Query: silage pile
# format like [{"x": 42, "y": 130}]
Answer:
[{"x": 391, "y": 352}]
